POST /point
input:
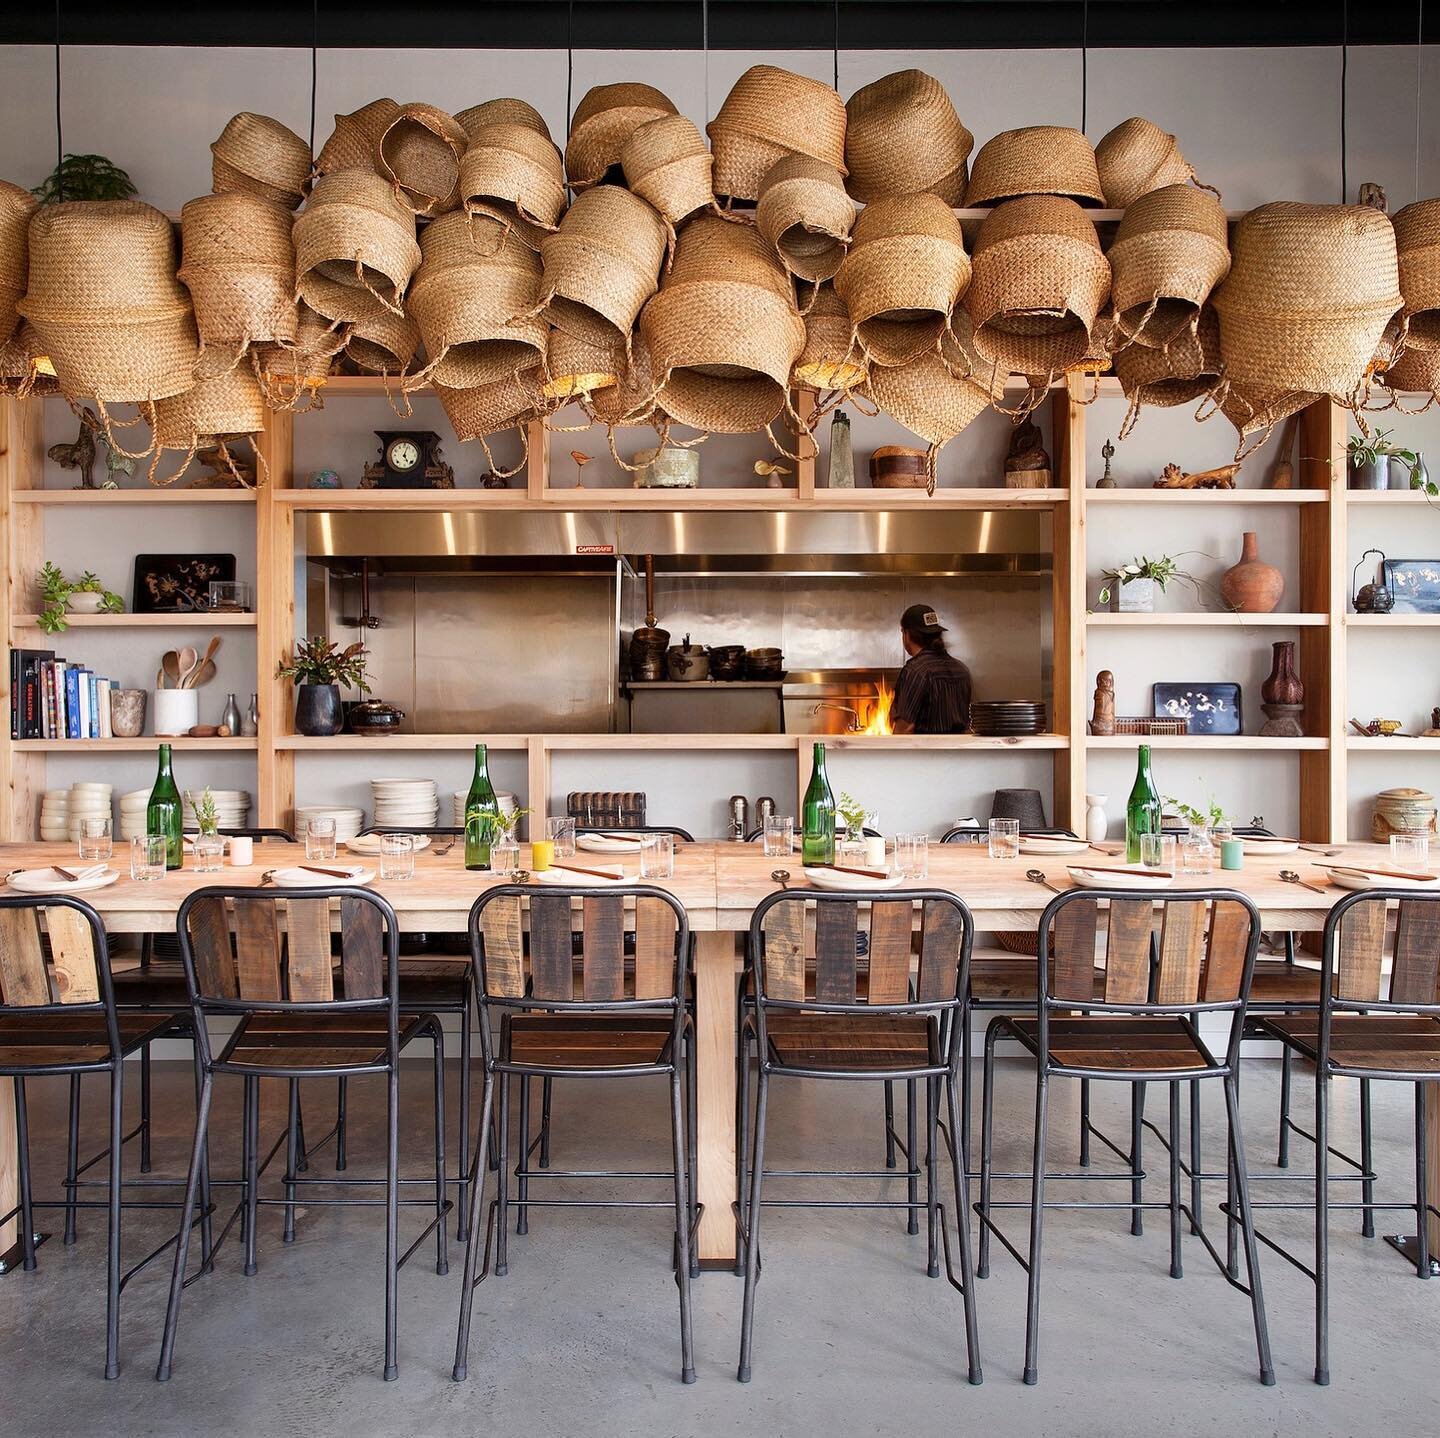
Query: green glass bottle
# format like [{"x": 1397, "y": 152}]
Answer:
[
  {"x": 482, "y": 811},
  {"x": 1142, "y": 809},
  {"x": 163, "y": 813},
  {"x": 817, "y": 816}
]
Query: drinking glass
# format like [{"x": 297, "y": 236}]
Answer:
[
  {"x": 504, "y": 855},
  {"x": 208, "y": 853},
  {"x": 542, "y": 854},
  {"x": 779, "y": 836},
  {"x": 1004, "y": 838},
  {"x": 320, "y": 841},
  {"x": 912, "y": 855},
  {"x": 1197, "y": 853},
  {"x": 1157, "y": 851},
  {"x": 397, "y": 856},
  {"x": 850, "y": 853},
  {"x": 1410, "y": 851},
  {"x": 657, "y": 856},
  {"x": 95, "y": 839},
  {"x": 560, "y": 830},
  {"x": 147, "y": 856}
]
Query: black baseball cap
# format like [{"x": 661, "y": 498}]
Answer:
[{"x": 921, "y": 619}]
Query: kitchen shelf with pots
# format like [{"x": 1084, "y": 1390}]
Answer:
[
  {"x": 200, "y": 620},
  {"x": 145, "y": 743},
  {"x": 1233, "y": 742},
  {"x": 1189, "y": 620}
]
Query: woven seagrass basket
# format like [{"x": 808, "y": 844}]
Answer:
[
  {"x": 667, "y": 163},
  {"x": 292, "y": 375},
  {"x": 1187, "y": 369},
  {"x": 16, "y": 208},
  {"x": 514, "y": 174},
  {"x": 419, "y": 152},
  {"x": 1036, "y": 160},
  {"x": 229, "y": 403},
  {"x": 603, "y": 120},
  {"x": 805, "y": 214},
  {"x": 831, "y": 359},
  {"x": 1417, "y": 246},
  {"x": 903, "y": 137},
  {"x": 1417, "y": 371},
  {"x": 1137, "y": 156},
  {"x": 21, "y": 374},
  {"x": 384, "y": 344},
  {"x": 356, "y": 138},
  {"x": 575, "y": 368},
  {"x": 261, "y": 155},
  {"x": 505, "y": 110}
]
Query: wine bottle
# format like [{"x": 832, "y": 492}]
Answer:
[
  {"x": 163, "y": 813},
  {"x": 817, "y": 843},
  {"x": 482, "y": 813},
  {"x": 1142, "y": 809}
]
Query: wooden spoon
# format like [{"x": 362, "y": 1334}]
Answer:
[
  {"x": 170, "y": 667},
  {"x": 189, "y": 662},
  {"x": 196, "y": 681}
]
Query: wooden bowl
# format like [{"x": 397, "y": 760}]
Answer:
[{"x": 897, "y": 466}]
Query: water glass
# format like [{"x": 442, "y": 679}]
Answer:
[
  {"x": 657, "y": 856},
  {"x": 912, "y": 856},
  {"x": 1197, "y": 853},
  {"x": 779, "y": 836},
  {"x": 147, "y": 857},
  {"x": 397, "y": 856},
  {"x": 320, "y": 841},
  {"x": 1157, "y": 851},
  {"x": 561, "y": 832},
  {"x": 1004, "y": 838},
  {"x": 504, "y": 855},
  {"x": 96, "y": 842},
  {"x": 207, "y": 852},
  {"x": 1410, "y": 851},
  {"x": 850, "y": 853}
]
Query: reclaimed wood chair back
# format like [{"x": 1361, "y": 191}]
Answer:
[{"x": 1354, "y": 949}]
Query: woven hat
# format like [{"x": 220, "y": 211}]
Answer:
[
  {"x": 474, "y": 299},
  {"x": 603, "y": 120},
  {"x": 513, "y": 173},
  {"x": 575, "y": 368},
  {"x": 263, "y": 156},
  {"x": 905, "y": 270},
  {"x": 903, "y": 137},
  {"x": 1137, "y": 156},
  {"x": 355, "y": 247},
  {"x": 420, "y": 151},
  {"x": 105, "y": 303},
  {"x": 1039, "y": 283},
  {"x": 239, "y": 266},
  {"x": 723, "y": 331},
  {"x": 666, "y": 162},
  {"x": 1170, "y": 250},
  {"x": 768, "y": 114},
  {"x": 602, "y": 264},
  {"x": 291, "y": 375},
  {"x": 1310, "y": 291},
  {"x": 384, "y": 344},
  {"x": 1038, "y": 160},
  {"x": 1417, "y": 247},
  {"x": 1187, "y": 369},
  {"x": 16, "y": 208},
  {"x": 356, "y": 138},
  {"x": 483, "y": 409},
  {"x": 805, "y": 214},
  {"x": 830, "y": 360},
  {"x": 504, "y": 110}
]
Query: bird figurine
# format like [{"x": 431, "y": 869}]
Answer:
[
  {"x": 774, "y": 473},
  {"x": 79, "y": 454},
  {"x": 581, "y": 460}
]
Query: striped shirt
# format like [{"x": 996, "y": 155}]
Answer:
[{"x": 933, "y": 694}]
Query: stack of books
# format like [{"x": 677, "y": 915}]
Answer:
[{"x": 51, "y": 698}]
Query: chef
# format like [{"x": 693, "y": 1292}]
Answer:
[{"x": 932, "y": 695}]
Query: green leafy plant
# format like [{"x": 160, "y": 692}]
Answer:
[
  {"x": 509, "y": 823},
  {"x": 318, "y": 660},
  {"x": 1163, "y": 569},
  {"x": 849, "y": 808},
  {"x": 1365, "y": 450},
  {"x": 1209, "y": 817},
  {"x": 206, "y": 818},
  {"x": 55, "y": 592},
  {"x": 85, "y": 177}
]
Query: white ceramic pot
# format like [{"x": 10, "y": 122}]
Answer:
[
  {"x": 1096, "y": 822},
  {"x": 84, "y": 602},
  {"x": 175, "y": 711},
  {"x": 1137, "y": 597}
]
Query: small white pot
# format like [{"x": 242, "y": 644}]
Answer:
[
  {"x": 175, "y": 711},
  {"x": 1097, "y": 824},
  {"x": 84, "y": 602}
]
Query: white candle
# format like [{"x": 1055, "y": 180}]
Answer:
[
  {"x": 875, "y": 853},
  {"x": 242, "y": 852}
]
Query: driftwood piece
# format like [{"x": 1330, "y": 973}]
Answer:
[{"x": 1222, "y": 477}]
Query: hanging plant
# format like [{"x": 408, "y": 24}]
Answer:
[{"x": 85, "y": 177}]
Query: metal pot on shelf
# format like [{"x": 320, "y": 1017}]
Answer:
[
  {"x": 688, "y": 662},
  {"x": 375, "y": 716}
]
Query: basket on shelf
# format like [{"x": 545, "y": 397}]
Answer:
[
  {"x": 291, "y": 375},
  {"x": 806, "y": 216},
  {"x": 356, "y": 138},
  {"x": 830, "y": 360},
  {"x": 903, "y": 137},
  {"x": 930, "y": 398},
  {"x": 214, "y": 409},
  {"x": 604, "y": 120},
  {"x": 483, "y": 410},
  {"x": 16, "y": 208},
  {"x": 384, "y": 344},
  {"x": 575, "y": 368},
  {"x": 261, "y": 155},
  {"x": 1417, "y": 249},
  {"x": 1035, "y": 160},
  {"x": 905, "y": 269},
  {"x": 667, "y": 162},
  {"x": 513, "y": 174},
  {"x": 419, "y": 151},
  {"x": 632, "y": 401},
  {"x": 1137, "y": 156},
  {"x": 504, "y": 110}
]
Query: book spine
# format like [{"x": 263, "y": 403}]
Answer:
[{"x": 72, "y": 702}]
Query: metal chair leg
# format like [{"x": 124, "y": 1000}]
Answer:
[
  {"x": 1084, "y": 1123},
  {"x": 1176, "y": 1266},
  {"x": 145, "y": 1109},
  {"x": 752, "y": 1246},
  {"x": 112, "y": 1238},
  {"x": 478, "y": 1233},
  {"x": 547, "y": 1086},
  {"x": 1037, "y": 1217},
  {"x": 442, "y": 1252},
  {"x": 912, "y": 1180},
  {"x": 522, "y": 1183},
  {"x": 182, "y": 1246},
  {"x": 962, "y": 1219},
  {"x": 692, "y": 1140},
  {"x": 502, "y": 1224},
  {"x": 987, "y": 1142},
  {"x": 1137, "y": 1184},
  {"x": 679, "y": 1145},
  {"x": 1197, "y": 1195},
  {"x": 462, "y": 1192},
  {"x": 292, "y": 1157},
  {"x": 392, "y": 1222},
  {"x": 72, "y": 1160},
  {"x": 967, "y": 1058},
  {"x": 742, "y": 1149},
  {"x": 22, "y": 1144},
  {"x": 1287, "y": 1081},
  {"x": 1422, "y": 1147},
  {"x": 1247, "y": 1223},
  {"x": 252, "y": 1174},
  {"x": 889, "y": 1123},
  {"x": 1367, "y": 1163},
  {"x": 1322, "y": 1229},
  {"x": 342, "y": 1094},
  {"x": 932, "y": 1202}
]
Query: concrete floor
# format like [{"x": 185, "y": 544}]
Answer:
[{"x": 582, "y": 1335}]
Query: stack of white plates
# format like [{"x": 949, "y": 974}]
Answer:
[
  {"x": 55, "y": 816},
  {"x": 87, "y": 801},
  {"x": 232, "y": 808},
  {"x": 405, "y": 803},
  {"x": 348, "y": 821},
  {"x": 132, "y": 813},
  {"x": 506, "y": 801}
]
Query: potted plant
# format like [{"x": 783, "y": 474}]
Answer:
[
  {"x": 1130, "y": 588},
  {"x": 1371, "y": 458},
  {"x": 85, "y": 177},
  {"x": 208, "y": 847},
  {"x": 319, "y": 667},
  {"x": 60, "y": 596}
]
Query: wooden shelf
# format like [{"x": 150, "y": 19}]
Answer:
[
  {"x": 142, "y": 621},
  {"x": 1398, "y": 743},
  {"x": 1238, "y": 743},
  {"x": 146, "y": 743},
  {"x": 1204, "y": 496},
  {"x": 985, "y": 742},
  {"x": 309, "y": 743},
  {"x": 1204, "y": 621},
  {"x": 1393, "y": 621},
  {"x": 1390, "y": 496},
  {"x": 445, "y": 500},
  {"x": 134, "y": 496}
]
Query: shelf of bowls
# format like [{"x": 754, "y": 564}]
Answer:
[{"x": 397, "y": 803}]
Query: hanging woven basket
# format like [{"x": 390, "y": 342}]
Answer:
[
  {"x": 1417, "y": 247},
  {"x": 1254, "y": 411},
  {"x": 474, "y": 299},
  {"x": 261, "y": 155},
  {"x": 419, "y": 152},
  {"x": 1187, "y": 369},
  {"x": 632, "y": 401},
  {"x": 903, "y": 137},
  {"x": 24, "y": 369},
  {"x": 905, "y": 269},
  {"x": 1037, "y": 160},
  {"x": 1137, "y": 156},
  {"x": 1169, "y": 253},
  {"x": 477, "y": 413},
  {"x": 384, "y": 344},
  {"x": 723, "y": 331},
  {"x": 831, "y": 360},
  {"x": 930, "y": 398},
  {"x": 105, "y": 303},
  {"x": 771, "y": 113},
  {"x": 513, "y": 174},
  {"x": 1417, "y": 371},
  {"x": 355, "y": 248},
  {"x": 505, "y": 110},
  {"x": 604, "y": 120},
  {"x": 1310, "y": 291},
  {"x": 667, "y": 163},
  {"x": 1039, "y": 283},
  {"x": 602, "y": 264},
  {"x": 576, "y": 368},
  {"x": 805, "y": 214},
  {"x": 240, "y": 270},
  {"x": 225, "y": 404},
  {"x": 292, "y": 375},
  {"x": 16, "y": 208},
  {"x": 356, "y": 138}
]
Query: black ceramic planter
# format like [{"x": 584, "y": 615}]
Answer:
[{"x": 317, "y": 709}]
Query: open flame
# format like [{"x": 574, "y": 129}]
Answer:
[{"x": 876, "y": 716}]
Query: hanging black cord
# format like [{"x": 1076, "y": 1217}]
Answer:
[
  {"x": 314, "y": 68},
  {"x": 1084, "y": 64},
  {"x": 1344, "y": 97},
  {"x": 59, "y": 128},
  {"x": 705, "y": 51},
  {"x": 836, "y": 46},
  {"x": 1419, "y": 53},
  {"x": 569, "y": 60}
]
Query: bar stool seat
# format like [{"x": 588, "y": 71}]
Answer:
[
  {"x": 1122, "y": 1043},
  {"x": 60, "y": 1040},
  {"x": 314, "y": 1041},
  {"x": 1365, "y": 1041},
  {"x": 586, "y": 1041},
  {"x": 861, "y": 1042}
]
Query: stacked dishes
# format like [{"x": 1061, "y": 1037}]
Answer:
[
  {"x": 405, "y": 803},
  {"x": 505, "y": 800},
  {"x": 87, "y": 801},
  {"x": 348, "y": 821},
  {"x": 1007, "y": 717},
  {"x": 55, "y": 816},
  {"x": 232, "y": 808},
  {"x": 133, "y": 808}
]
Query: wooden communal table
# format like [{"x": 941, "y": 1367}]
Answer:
[{"x": 719, "y": 884}]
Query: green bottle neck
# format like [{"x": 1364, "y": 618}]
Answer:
[
  {"x": 481, "y": 762},
  {"x": 164, "y": 771},
  {"x": 820, "y": 761},
  {"x": 1143, "y": 771}
]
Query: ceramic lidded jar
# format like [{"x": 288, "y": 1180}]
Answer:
[{"x": 1252, "y": 586}]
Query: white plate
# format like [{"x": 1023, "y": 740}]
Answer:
[
  {"x": 829, "y": 879},
  {"x": 1039, "y": 844},
  {"x": 1129, "y": 879},
  {"x": 47, "y": 881},
  {"x": 1261, "y": 847},
  {"x": 607, "y": 844},
  {"x": 370, "y": 843},
  {"x": 306, "y": 879},
  {"x": 584, "y": 881},
  {"x": 1354, "y": 879}
]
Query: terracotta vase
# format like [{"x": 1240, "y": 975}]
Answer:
[
  {"x": 1283, "y": 686},
  {"x": 1252, "y": 586}
]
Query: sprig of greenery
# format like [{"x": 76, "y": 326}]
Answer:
[
  {"x": 1162, "y": 569},
  {"x": 849, "y": 808},
  {"x": 85, "y": 177},
  {"x": 1209, "y": 817},
  {"x": 207, "y": 820},
  {"x": 321, "y": 661},
  {"x": 55, "y": 591}
]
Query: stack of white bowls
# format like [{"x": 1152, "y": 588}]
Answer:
[
  {"x": 55, "y": 816},
  {"x": 87, "y": 801},
  {"x": 405, "y": 803},
  {"x": 132, "y": 814},
  {"x": 507, "y": 802},
  {"x": 348, "y": 821},
  {"x": 232, "y": 808}
]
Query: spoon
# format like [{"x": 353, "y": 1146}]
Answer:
[
  {"x": 1289, "y": 876},
  {"x": 1320, "y": 849},
  {"x": 189, "y": 662},
  {"x": 170, "y": 667},
  {"x": 1037, "y": 877},
  {"x": 204, "y": 669},
  {"x": 780, "y": 876}
]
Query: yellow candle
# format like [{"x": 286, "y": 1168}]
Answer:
[{"x": 542, "y": 854}]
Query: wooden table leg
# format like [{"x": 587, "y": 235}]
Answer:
[
  {"x": 9, "y": 1165},
  {"x": 715, "y": 1097}
]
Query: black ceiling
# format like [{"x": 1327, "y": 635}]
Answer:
[{"x": 734, "y": 24}]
